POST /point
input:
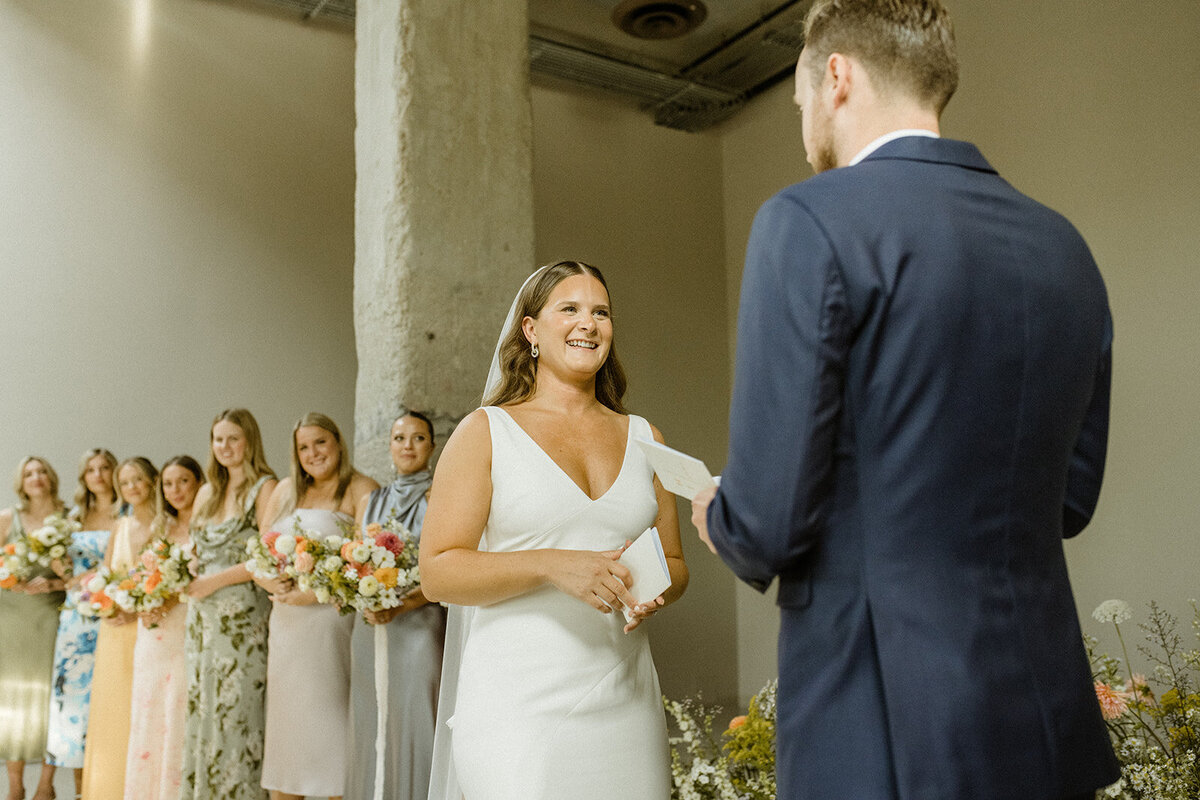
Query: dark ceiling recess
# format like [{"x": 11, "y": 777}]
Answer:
[
  {"x": 689, "y": 66},
  {"x": 646, "y": 19}
]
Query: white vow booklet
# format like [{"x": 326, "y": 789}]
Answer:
[
  {"x": 647, "y": 564},
  {"x": 678, "y": 472}
]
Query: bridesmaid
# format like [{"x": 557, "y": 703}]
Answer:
[
  {"x": 153, "y": 768},
  {"x": 415, "y": 632},
  {"x": 75, "y": 649},
  {"x": 108, "y": 719},
  {"x": 226, "y": 645},
  {"x": 28, "y": 623},
  {"x": 308, "y": 667}
]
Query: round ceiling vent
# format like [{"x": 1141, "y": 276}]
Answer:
[{"x": 659, "y": 19}]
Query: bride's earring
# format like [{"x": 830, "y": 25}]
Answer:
[{"x": 533, "y": 350}]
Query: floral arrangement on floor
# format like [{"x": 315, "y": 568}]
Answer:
[
  {"x": 1156, "y": 734},
  {"x": 26, "y": 555},
  {"x": 737, "y": 764},
  {"x": 367, "y": 572}
]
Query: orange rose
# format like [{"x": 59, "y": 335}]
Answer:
[
  {"x": 127, "y": 584},
  {"x": 10, "y": 548},
  {"x": 103, "y": 600},
  {"x": 387, "y": 576},
  {"x": 347, "y": 549},
  {"x": 374, "y": 529},
  {"x": 8, "y": 582},
  {"x": 737, "y": 722},
  {"x": 301, "y": 544},
  {"x": 154, "y": 580}
]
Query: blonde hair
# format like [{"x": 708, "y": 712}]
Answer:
[
  {"x": 19, "y": 482},
  {"x": 254, "y": 462},
  {"x": 905, "y": 44},
  {"x": 85, "y": 498},
  {"x": 148, "y": 471},
  {"x": 301, "y": 480},
  {"x": 518, "y": 368}
]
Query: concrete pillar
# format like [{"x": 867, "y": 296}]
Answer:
[{"x": 443, "y": 205}]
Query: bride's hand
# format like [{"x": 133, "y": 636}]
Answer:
[
  {"x": 595, "y": 578},
  {"x": 644, "y": 611}
]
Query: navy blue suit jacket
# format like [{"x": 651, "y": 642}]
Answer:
[{"x": 920, "y": 415}]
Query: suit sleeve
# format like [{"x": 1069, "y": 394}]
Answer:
[
  {"x": 1086, "y": 469},
  {"x": 793, "y": 338}
]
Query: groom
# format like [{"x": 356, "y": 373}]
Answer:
[{"x": 919, "y": 417}]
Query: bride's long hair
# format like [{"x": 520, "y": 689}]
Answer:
[{"x": 518, "y": 368}]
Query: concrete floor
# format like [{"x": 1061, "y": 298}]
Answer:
[{"x": 64, "y": 781}]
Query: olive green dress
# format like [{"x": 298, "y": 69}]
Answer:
[
  {"x": 226, "y": 653},
  {"x": 28, "y": 625}
]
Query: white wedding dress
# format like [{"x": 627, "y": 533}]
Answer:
[{"x": 553, "y": 700}]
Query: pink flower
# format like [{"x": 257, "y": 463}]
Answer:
[
  {"x": 269, "y": 540},
  {"x": 390, "y": 542},
  {"x": 148, "y": 560},
  {"x": 305, "y": 562},
  {"x": 1139, "y": 689},
  {"x": 1112, "y": 703}
]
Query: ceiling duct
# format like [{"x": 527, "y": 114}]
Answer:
[{"x": 688, "y": 97}]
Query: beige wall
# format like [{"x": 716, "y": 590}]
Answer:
[
  {"x": 176, "y": 203},
  {"x": 1090, "y": 108},
  {"x": 644, "y": 204}
]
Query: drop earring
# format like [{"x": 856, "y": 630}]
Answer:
[{"x": 533, "y": 350}]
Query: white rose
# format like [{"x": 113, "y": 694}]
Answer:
[
  {"x": 322, "y": 594},
  {"x": 334, "y": 542},
  {"x": 58, "y": 551},
  {"x": 368, "y": 586},
  {"x": 361, "y": 554},
  {"x": 286, "y": 544},
  {"x": 96, "y": 583},
  {"x": 45, "y": 534},
  {"x": 331, "y": 564}
]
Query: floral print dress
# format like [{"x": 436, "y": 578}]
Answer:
[
  {"x": 74, "y": 659},
  {"x": 226, "y": 653}
]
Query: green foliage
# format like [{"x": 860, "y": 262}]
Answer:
[
  {"x": 1155, "y": 735},
  {"x": 743, "y": 768}
]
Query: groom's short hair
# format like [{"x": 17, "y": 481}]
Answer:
[{"x": 906, "y": 45}]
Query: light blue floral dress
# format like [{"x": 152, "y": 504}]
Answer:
[{"x": 74, "y": 658}]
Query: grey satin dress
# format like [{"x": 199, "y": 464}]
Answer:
[{"x": 415, "y": 642}]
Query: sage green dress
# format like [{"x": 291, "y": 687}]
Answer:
[
  {"x": 28, "y": 626},
  {"x": 226, "y": 653}
]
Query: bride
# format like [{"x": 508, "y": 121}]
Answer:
[{"x": 535, "y": 498}]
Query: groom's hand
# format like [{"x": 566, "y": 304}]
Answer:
[{"x": 700, "y": 515}]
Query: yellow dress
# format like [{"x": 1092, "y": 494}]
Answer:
[{"x": 108, "y": 722}]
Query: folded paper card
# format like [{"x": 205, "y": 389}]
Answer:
[
  {"x": 647, "y": 564},
  {"x": 678, "y": 472}
]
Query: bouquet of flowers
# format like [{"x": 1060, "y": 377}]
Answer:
[
  {"x": 162, "y": 574},
  {"x": 1154, "y": 722},
  {"x": 96, "y": 596},
  {"x": 742, "y": 768},
  {"x": 289, "y": 555},
  {"x": 370, "y": 572},
  {"x": 25, "y": 555}
]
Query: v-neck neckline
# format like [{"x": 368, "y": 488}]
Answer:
[{"x": 563, "y": 472}]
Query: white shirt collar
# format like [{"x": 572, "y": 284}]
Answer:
[{"x": 887, "y": 137}]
